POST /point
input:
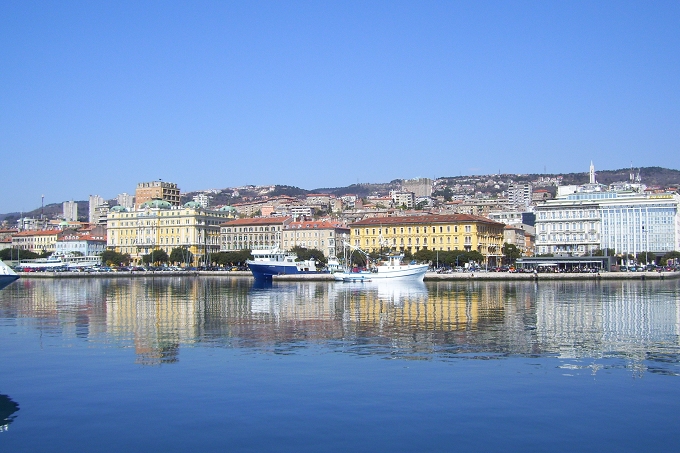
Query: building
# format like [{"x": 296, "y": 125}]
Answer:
[
  {"x": 40, "y": 241},
  {"x": 70, "y": 211},
  {"x": 421, "y": 187},
  {"x": 520, "y": 194},
  {"x": 321, "y": 235},
  {"x": 126, "y": 200},
  {"x": 157, "y": 224},
  {"x": 202, "y": 199},
  {"x": 403, "y": 199},
  {"x": 95, "y": 202},
  {"x": 628, "y": 222},
  {"x": 255, "y": 233},
  {"x": 157, "y": 190},
  {"x": 433, "y": 232},
  {"x": 70, "y": 242}
]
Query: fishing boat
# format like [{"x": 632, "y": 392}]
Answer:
[
  {"x": 7, "y": 275},
  {"x": 392, "y": 267},
  {"x": 272, "y": 261}
]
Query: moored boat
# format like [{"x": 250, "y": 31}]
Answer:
[
  {"x": 273, "y": 261},
  {"x": 7, "y": 275},
  {"x": 390, "y": 268}
]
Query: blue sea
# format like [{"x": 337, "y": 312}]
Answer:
[{"x": 178, "y": 364}]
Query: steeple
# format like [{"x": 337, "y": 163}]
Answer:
[{"x": 592, "y": 173}]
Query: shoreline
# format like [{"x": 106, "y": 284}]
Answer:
[{"x": 430, "y": 276}]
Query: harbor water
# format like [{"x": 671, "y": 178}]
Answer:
[{"x": 197, "y": 363}]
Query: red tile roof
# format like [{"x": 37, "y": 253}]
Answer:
[
  {"x": 452, "y": 218},
  {"x": 257, "y": 221}
]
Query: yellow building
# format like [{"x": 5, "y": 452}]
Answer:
[
  {"x": 159, "y": 225},
  {"x": 430, "y": 232}
]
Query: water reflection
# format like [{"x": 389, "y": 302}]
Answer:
[
  {"x": 8, "y": 409},
  {"x": 638, "y": 321}
]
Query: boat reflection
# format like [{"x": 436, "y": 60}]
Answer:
[
  {"x": 639, "y": 321},
  {"x": 8, "y": 409}
]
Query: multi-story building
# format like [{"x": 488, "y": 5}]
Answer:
[
  {"x": 434, "y": 232},
  {"x": 321, "y": 235},
  {"x": 403, "y": 199},
  {"x": 70, "y": 242},
  {"x": 95, "y": 202},
  {"x": 520, "y": 194},
  {"x": 582, "y": 222},
  {"x": 157, "y": 190},
  {"x": 70, "y": 211},
  {"x": 40, "y": 241},
  {"x": 126, "y": 200},
  {"x": 202, "y": 199},
  {"x": 160, "y": 225},
  {"x": 421, "y": 187},
  {"x": 256, "y": 233}
]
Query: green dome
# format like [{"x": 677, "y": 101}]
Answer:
[
  {"x": 193, "y": 205},
  {"x": 157, "y": 204},
  {"x": 118, "y": 209},
  {"x": 227, "y": 208}
]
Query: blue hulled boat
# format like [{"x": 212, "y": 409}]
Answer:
[
  {"x": 273, "y": 261},
  {"x": 7, "y": 275}
]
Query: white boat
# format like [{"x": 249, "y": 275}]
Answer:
[
  {"x": 273, "y": 261},
  {"x": 7, "y": 275},
  {"x": 55, "y": 261},
  {"x": 391, "y": 268}
]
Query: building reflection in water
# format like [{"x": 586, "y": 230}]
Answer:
[{"x": 638, "y": 321}]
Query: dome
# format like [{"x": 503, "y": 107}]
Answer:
[
  {"x": 193, "y": 205},
  {"x": 227, "y": 208},
  {"x": 63, "y": 223},
  {"x": 157, "y": 204},
  {"x": 118, "y": 209}
]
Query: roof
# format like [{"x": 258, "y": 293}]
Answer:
[
  {"x": 39, "y": 233},
  {"x": 452, "y": 218},
  {"x": 316, "y": 224},
  {"x": 257, "y": 221}
]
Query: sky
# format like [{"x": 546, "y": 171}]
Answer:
[{"x": 98, "y": 96}]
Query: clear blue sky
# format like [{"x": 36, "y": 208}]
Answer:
[{"x": 97, "y": 96}]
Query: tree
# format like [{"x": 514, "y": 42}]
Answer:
[
  {"x": 304, "y": 254},
  {"x": 15, "y": 253},
  {"x": 604, "y": 252},
  {"x": 646, "y": 257},
  {"x": 111, "y": 257},
  {"x": 156, "y": 256},
  {"x": 181, "y": 255},
  {"x": 670, "y": 256},
  {"x": 511, "y": 252}
]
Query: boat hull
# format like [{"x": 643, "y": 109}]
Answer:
[
  {"x": 264, "y": 270},
  {"x": 7, "y": 279},
  {"x": 407, "y": 272}
]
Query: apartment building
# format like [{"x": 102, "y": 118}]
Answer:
[
  {"x": 255, "y": 233},
  {"x": 157, "y": 190},
  {"x": 321, "y": 235},
  {"x": 433, "y": 232}
]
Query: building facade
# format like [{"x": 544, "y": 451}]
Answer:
[
  {"x": 321, "y": 235},
  {"x": 70, "y": 211},
  {"x": 157, "y": 190},
  {"x": 40, "y": 241},
  {"x": 432, "y": 232},
  {"x": 630, "y": 223},
  {"x": 159, "y": 225},
  {"x": 71, "y": 242},
  {"x": 249, "y": 234}
]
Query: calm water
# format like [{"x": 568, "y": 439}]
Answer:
[{"x": 217, "y": 364}]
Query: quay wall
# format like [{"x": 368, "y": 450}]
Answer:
[{"x": 430, "y": 276}]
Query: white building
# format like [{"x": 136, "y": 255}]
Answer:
[
  {"x": 87, "y": 245},
  {"x": 126, "y": 200},
  {"x": 202, "y": 199},
  {"x": 628, "y": 222},
  {"x": 95, "y": 202},
  {"x": 70, "y": 211},
  {"x": 406, "y": 199},
  {"x": 520, "y": 194}
]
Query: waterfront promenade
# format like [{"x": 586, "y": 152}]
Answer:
[{"x": 430, "y": 276}]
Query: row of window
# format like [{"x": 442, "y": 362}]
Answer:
[{"x": 368, "y": 231}]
